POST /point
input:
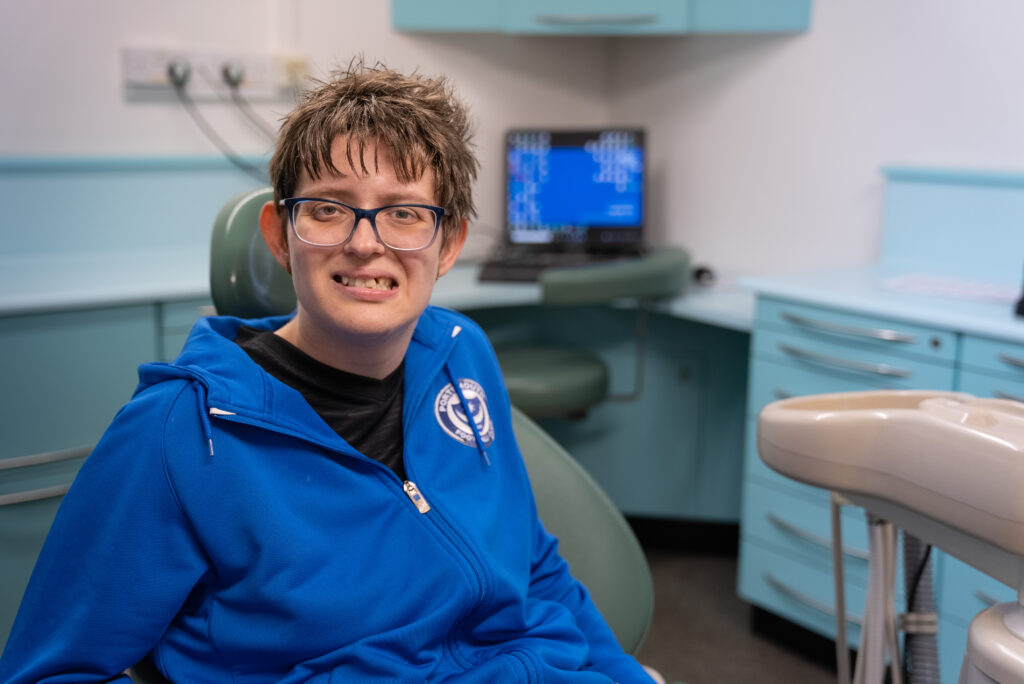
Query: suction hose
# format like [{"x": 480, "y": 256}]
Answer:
[{"x": 920, "y": 623}]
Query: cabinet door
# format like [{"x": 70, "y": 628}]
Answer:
[
  {"x": 65, "y": 376},
  {"x": 596, "y": 17},
  {"x": 67, "y": 373},
  {"x": 446, "y": 15},
  {"x": 749, "y": 16}
]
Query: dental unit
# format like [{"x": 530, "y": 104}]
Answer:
[{"x": 945, "y": 467}]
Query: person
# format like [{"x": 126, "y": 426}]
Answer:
[{"x": 334, "y": 495}]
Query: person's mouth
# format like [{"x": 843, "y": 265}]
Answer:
[{"x": 378, "y": 283}]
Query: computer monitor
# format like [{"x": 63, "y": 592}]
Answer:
[{"x": 575, "y": 190}]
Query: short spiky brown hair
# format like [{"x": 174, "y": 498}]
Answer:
[{"x": 418, "y": 119}]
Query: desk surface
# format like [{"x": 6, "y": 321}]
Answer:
[
  {"x": 80, "y": 280},
  {"x": 873, "y": 291}
]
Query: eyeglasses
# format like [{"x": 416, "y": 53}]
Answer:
[{"x": 326, "y": 223}]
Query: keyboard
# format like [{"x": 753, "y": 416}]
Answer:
[{"x": 527, "y": 267}]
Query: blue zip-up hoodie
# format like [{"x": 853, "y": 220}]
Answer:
[{"x": 222, "y": 527}]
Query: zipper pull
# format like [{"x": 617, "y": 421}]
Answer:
[{"x": 414, "y": 495}]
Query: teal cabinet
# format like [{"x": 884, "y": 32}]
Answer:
[
  {"x": 749, "y": 16},
  {"x": 65, "y": 375},
  {"x": 602, "y": 17},
  {"x": 446, "y": 15},
  {"x": 796, "y": 349},
  {"x": 675, "y": 450},
  {"x": 610, "y": 17}
]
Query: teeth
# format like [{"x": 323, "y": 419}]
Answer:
[{"x": 371, "y": 283}]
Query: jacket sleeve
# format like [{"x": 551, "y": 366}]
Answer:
[
  {"x": 118, "y": 563},
  {"x": 550, "y": 580}
]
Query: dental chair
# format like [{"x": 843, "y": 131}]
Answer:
[{"x": 594, "y": 538}]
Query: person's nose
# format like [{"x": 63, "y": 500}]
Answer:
[{"x": 363, "y": 241}]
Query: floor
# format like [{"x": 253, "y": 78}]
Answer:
[{"x": 702, "y": 632}]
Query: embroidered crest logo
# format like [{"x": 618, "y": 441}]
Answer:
[{"x": 452, "y": 416}]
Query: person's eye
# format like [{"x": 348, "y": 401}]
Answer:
[
  {"x": 323, "y": 211},
  {"x": 405, "y": 215}
]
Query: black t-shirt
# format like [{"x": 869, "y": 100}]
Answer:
[{"x": 365, "y": 412}]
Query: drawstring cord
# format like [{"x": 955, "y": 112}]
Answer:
[
  {"x": 469, "y": 417},
  {"x": 207, "y": 428}
]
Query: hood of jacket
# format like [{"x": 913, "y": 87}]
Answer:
[{"x": 228, "y": 382}]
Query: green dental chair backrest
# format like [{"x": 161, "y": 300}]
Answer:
[
  {"x": 245, "y": 279},
  {"x": 593, "y": 537}
]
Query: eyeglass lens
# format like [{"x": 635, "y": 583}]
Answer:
[{"x": 400, "y": 226}]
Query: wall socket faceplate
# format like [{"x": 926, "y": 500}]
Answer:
[{"x": 264, "y": 76}]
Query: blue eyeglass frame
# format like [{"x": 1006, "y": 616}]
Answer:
[{"x": 369, "y": 214}]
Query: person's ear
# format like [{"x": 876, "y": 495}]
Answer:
[
  {"x": 272, "y": 227},
  {"x": 452, "y": 247}
]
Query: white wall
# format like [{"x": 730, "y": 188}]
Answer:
[
  {"x": 767, "y": 149},
  {"x": 62, "y": 93}
]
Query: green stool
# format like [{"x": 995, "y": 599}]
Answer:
[{"x": 546, "y": 381}]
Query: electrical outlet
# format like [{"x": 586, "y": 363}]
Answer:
[{"x": 263, "y": 77}]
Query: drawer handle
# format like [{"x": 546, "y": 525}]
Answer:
[
  {"x": 48, "y": 457},
  {"x": 800, "y": 533},
  {"x": 34, "y": 494},
  {"x": 986, "y": 598},
  {"x": 877, "y": 369},
  {"x": 1012, "y": 361},
  {"x": 999, "y": 394},
  {"x": 817, "y": 605},
  {"x": 602, "y": 19},
  {"x": 868, "y": 333}
]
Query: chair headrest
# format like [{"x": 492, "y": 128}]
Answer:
[{"x": 245, "y": 279}]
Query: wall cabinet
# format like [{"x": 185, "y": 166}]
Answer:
[
  {"x": 602, "y": 17},
  {"x": 785, "y": 558}
]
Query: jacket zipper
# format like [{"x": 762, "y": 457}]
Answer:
[{"x": 413, "y": 492}]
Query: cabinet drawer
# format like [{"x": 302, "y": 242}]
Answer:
[
  {"x": 866, "y": 333},
  {"x": 965, "y": 591},
  {"x": 31, "y": 489},
  {"x": 774, "y": 380},
  {"x": 798, "y": 527},
  {"x": 68, "y": 374},
  {"x": 1005, "y": 359},
  {"x": 801, "y": 592},
  {"x": 991, "y": 385},
  {"x": 838, "y": 363}
]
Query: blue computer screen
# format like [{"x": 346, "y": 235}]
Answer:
[{"x": 575, "y": 187}]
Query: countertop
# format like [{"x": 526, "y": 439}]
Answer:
[
  {"x": 80, "y": 280},
  {"x": 955, "y": 304},
  {"x": 51, "y": 282}
]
